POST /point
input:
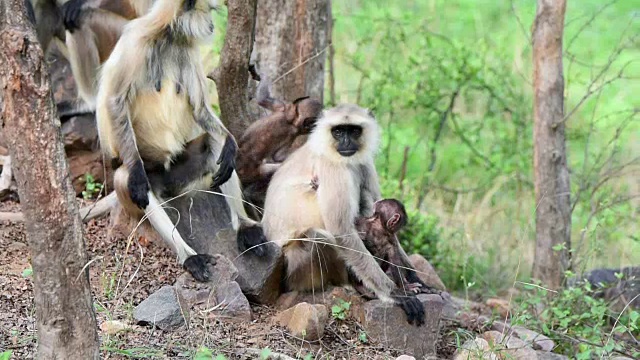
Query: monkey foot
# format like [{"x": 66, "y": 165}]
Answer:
[
  {"x": 412, "y": 307},
  {"x": 251, "y": 239},
  {"x": 198, "y": 266}
]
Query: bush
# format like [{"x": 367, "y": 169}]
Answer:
[{"x": 582, "y": 326}]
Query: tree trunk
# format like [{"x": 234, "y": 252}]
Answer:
[
  {"x": 66, "y": 322},
  {"x": 291, "y": 43},
  {"x": 552, "y": 188},
  {"x": 232, "y": 75}
]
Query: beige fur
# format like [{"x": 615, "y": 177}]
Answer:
[
  {"x": 294, "y": 209},
  {"x": 137, "y": 123}
]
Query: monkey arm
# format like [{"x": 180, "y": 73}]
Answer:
[
  {"x": 410, "y": 274},
  {"x": 211, "y": 124},
  {"x": 214, "y": 127},
  {"x": 138, "y": 183},
  {"x": 73, "y": 12},
  {"x": 370, "y": 192},
  {"x": 338, "y": 207}
]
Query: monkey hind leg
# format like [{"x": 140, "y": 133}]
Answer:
[
  {"x": 303, "y": 271},
  {"x": 196, "y": 264}
]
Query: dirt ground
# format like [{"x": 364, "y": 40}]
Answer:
[{"x": 122, "y": 278}]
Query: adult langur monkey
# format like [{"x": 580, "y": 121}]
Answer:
[
  {"x": 317, "y": 193},
  {"x": 92, "y": 29},
  {"x": 152, "y": 100},
  {"x": 86, "y": 32},
  {"x": 46, "y": 15}
]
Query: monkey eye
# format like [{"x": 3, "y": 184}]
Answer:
[
  {"x": 337, "y": 133},
  {"x": 357, "y": 131}
]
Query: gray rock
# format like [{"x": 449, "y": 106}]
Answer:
[
  {"x": 232, "y": 303},
  {"x": 537, "y": 340},
  {"x": 80, "y": 133},
  {"x": 620, "y": 293},
  {"x": 194, "y": 292},
  {"x": 509, "y": 346},
  {"x": 387, "y": 324},
  {"x": 205, "y": 224},
  {"x": 426, "y": 272},
  {"x": 165, "y": 309},
  {"x": 455, "y": 307},
  {"x": 545, "y": 355},
  {"x": 476, "y": 349}
]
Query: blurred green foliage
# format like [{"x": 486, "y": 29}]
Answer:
[
  {"x": 450, "y": 83},
  {"x": 581, "y": 324}
]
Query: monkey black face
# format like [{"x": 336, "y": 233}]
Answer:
[{"x": 348, "y": 139}]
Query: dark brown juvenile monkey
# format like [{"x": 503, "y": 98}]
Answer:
[
  {"x": 378, "y": 232},
  {"x": 268, "y": 141}
]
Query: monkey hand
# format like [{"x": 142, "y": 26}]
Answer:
[
  {"x": 72, "y": 12},
  {"x": 251, "y": 238},
  {"x": 138, "y": 186},
  {"x": 411, "y": 306},
  {"x": 227, "y": 162},
  {"x": 198, "y": 266}
]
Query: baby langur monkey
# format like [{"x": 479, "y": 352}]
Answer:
[
  {"x": 378, "y": 232},
  {"x": 268, "y": 141}
]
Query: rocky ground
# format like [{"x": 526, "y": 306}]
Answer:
[
  {"x": 123, "y": 276},
  {"x": 147, "y": 307}
]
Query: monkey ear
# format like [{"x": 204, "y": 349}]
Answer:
[
  {"x": 296, "y": 101},
  {"x": 371, "y": 114},
  {"x": 393, "y": 222}
]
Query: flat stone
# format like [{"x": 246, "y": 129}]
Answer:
[
  {"x": 304, "y": 320},
  {"x": 545, "y": 355},
  {"x": 508, "y": 346},
  {"x": 165, "y": 309},
  {"x": 535, "y": 339},
  {"x": 113, "y": 327},
  {"x": 426, "y": 272},
  {"x": 476, "y": 349},
  {"x": 232, "y": 303},
  {"x": 405, "y": 357},
  {"x": 387, "y": 323}
]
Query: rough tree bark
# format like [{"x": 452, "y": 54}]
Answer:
[
  {"x": 232, "y": 74},
  {"x": 64, "y": 307},
  {"x": 552, "y": 187},
  {"x": 292, "y": 38}
]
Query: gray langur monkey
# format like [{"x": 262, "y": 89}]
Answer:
[
  {"x": 86, "y": 32},
  {"x": 317, "y": 193},
  {"x": 93, "y": 28},
  {"x": 152, "y": 101},
  {"x": 46, "y": 15}
]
